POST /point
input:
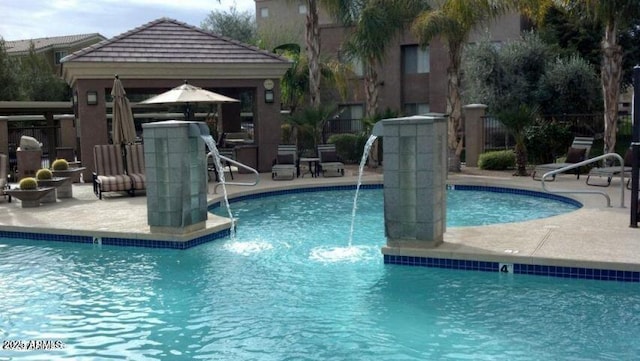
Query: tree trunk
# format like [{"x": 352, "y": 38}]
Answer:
[
  {"x": 454, "y": 109},
  {"x": 371, "y": 94},
  {"x": 521, "y": 157},
  {"x": 611, "y": 73},
  {"x": 371, "y": 90},
  {"x": 312, "y": 39}
]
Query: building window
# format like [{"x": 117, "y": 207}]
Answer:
[
  {"x": 357, "y": 67},
  {"x": 59, "y": 55},
  {"x": 349, "y": 119},
  {"x": 302, "y": 9},
  {"x": 355, "y": 64},
  {"x": 416, "y": 109},
  {"x": 264, "y": 12},
  {"x": 415, "y": 59}
]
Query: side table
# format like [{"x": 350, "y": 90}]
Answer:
[{"x": 313, "y": 165}]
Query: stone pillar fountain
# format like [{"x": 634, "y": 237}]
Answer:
[
  {"x": 415, "y": 174},
  {"x": 175, "y": 161}
]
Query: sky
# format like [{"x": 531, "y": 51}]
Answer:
[{"x": 31, "y": 19}]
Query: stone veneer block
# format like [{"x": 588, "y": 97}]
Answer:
[
  {"x": 176, "y": 176},
  {"x": 415, "y": 170}
]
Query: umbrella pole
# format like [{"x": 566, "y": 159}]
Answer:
[
  {"x": 123, "y": 153},
  {"x": 219, "y": 118}
]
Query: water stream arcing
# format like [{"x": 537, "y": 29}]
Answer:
[
  {"x": 211, "y": 145},
  {"x": 363, "y": 160},
  {"x": 350, "y": 253}
]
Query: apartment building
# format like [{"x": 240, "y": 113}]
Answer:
[
  {"x": 53, "y": 48},
  {"x": 412, "y": 79}
]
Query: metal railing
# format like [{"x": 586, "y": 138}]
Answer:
[
  {"x": 580, "y": 164},
  {"x": 238, "y": 164}
]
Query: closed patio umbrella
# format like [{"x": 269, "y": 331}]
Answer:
[{"x": 123, "y": 128}]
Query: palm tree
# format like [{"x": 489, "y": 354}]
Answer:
[
  {"x": 453, "y": 21},
  {"x": 312, "y": 41},
  {"x": 375, "y": 23},
  {"x": 343, "y": 10},
  {"x": 295, "y": 82},
  {"x": 517, "y": 118}
]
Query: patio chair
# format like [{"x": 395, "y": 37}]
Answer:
[
  {"x": 134, "y": 154},
  {"x": 578, "y": 152},
  {"x": 211, "y": 168},
  {"x": 110, "y": 175},
  {"x": 613, "y": 171},
  {"x": 286, "y": 163},
  {"x": 4, "y": 184},
  {"x": 329, "y": 160}
]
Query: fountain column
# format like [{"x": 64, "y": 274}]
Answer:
[
  {"x": 176, "y": 166},
  {"x": 415, "y": 174}
]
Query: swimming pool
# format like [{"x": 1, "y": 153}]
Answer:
[{"x": 292, "y": 293}]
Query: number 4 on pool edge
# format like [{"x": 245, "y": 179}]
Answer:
[{"x": 506, "y": 268}]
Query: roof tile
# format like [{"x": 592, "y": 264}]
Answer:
[{"x": 168, "y": 40}]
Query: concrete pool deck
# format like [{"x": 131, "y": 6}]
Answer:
[{"x": 594, "y": 236}]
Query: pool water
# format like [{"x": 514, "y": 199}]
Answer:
[{"x": 288, "y": 288}]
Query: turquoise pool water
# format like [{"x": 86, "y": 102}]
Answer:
[{"x": 287, "y": 288}]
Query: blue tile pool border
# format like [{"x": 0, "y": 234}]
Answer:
[
  {"x": 517, "y": 268},
  {"x": 115, "y": 241},
  {"x": 526, "y": 192}
]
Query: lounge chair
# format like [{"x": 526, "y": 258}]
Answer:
[
  {"x": 329, "y": 160},
  {"x": 613, "y": 171},
  {"x": 110, "y": 175},
  {"x": 134, "y": 154},
  {"x": 578, "y": 152},
  {"x": 4, "y": 185},
  {"x": 286, "y": 163}
]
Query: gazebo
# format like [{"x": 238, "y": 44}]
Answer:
[{"x": 161, "y": 55}]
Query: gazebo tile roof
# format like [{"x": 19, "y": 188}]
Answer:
[{"x": 168, "y": 40}]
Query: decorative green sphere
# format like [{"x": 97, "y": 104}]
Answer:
[
  {"x": 28, "y": 183},
  {"x": 44, "y": 174},
  {"x": 60, "y": 164}
]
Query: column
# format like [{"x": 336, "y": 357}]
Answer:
[
  {"x": 415, "y": 172},
  {"x": 174, "y": 154},
  {"x": 473, "y": 132}
]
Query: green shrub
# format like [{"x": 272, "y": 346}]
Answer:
[
  {"x": 349, "y": 146},
  {"x": 546, "y": 142},
  {"x": 44, "y": 174},
  {"x": 497, "y": 160},
  {"x": 28, "y": 183},
  {"x": 60, "y": 164}
]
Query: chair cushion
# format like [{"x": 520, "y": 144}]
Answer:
[
  {"x": 575, "y": 155},
  {"x": 284, "y": 159},
  {"x": 628, "y": 157},
  {"x": 330, "y": 156}
]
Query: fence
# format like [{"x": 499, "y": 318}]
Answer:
[
  {"x": 342, "y": 126},
  {"x": 497, "y": 137},
  {"x": 49, "y": 136}
]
